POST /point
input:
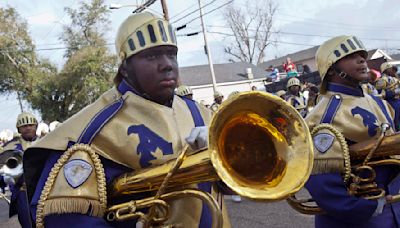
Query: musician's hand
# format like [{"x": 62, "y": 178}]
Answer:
[
  {"x": 9, "y": 180},
  {"x": 380, "y": 206},
  {"x": 389, "y": 198},
  {"x": 198, "y": 138}
]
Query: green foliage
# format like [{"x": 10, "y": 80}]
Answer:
[
  {"x": 16, "y": 56},
  {"x": 87, "y": 73},
  {"x": 88, "y": 25}
]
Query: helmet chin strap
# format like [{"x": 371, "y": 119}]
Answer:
[{"x": 346, "y": 76}]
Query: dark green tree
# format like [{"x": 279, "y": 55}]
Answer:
[
  {"x": 20, "y": 68},
  {"x": 89, "y": 68}
]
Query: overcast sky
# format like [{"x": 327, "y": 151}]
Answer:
[{"x": 301, "y": 25}]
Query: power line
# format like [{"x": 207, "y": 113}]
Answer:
[
  {"x": 194, "y": 11},
  {"x": 332, "y": 23},
  {"x": 217, "y": 8},
  {"x": 52, "y": 28},
  {"x": 180, "y": 13},
  {"x": 282, "y": 42},
  {"x": 333, "y": 26},
  {"x": 340, "y": 23},
  {"x": 51, "y": 49},
  {"x": 304, "y": 34}
]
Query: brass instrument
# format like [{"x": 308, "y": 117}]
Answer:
[
  {"x": 382, "y": 151},
  {"x": 11, "y": 164},
  {"x": 259, "y": 146},
  {"x": 11, "y": 167}
]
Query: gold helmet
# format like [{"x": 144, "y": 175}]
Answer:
[
  {"x": 217, "y": 94},
  {"x": 293, "y": 82},
  {"x": 335, "y": 49},
  {"x": 142, "y": 31},
  {"x": 184, "y": 90},
  {"x": 385, "y": 66},
  {"x": 26, "y": 118}
]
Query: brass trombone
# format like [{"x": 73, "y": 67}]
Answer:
[
  {"x": 258, "y": 145},
  {"x": 382, "y": 150}
]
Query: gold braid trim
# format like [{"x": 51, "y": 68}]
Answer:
[
  {"x": 68, "y": 205},
  {"x": 329, "y": 165}
]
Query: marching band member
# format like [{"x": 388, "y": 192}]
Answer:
[
  {"x": 389, "y": 87},
  {"x": 26, "y": 126},
  {"x": 218, "y": 98},
  {"x": 295, "y": 98},
  {"x": 184, "y": 91},
  {"x": 313, "y": 94},
  {"x": 139, "y": 123},
  {"x": 341, "y": 62}
]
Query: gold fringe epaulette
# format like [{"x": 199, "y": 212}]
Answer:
[
  {"x": 334, "y": 159},
  {"x": 59, "y": 197}
]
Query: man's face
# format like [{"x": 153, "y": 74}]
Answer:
[
  {"x": 294, "y": 89},
  {"x": 28, "y": 132},
  {"x": 390, "y": 72},
  {"x": 154, "y": 71},
  {"x": 354, "y": 65}
]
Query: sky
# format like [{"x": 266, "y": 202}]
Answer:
[{"x": 299, "y": 24}]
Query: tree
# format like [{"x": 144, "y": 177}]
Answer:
[
  {"x": 20, "y": 68},
  {"x": 88, "y": 26},
  {"x": 88, "y": 71},
  {"x": 252, "y": 30}
]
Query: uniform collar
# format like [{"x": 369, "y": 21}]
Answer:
[
  {"x": 333, "y": 87},
  {"x": 124, "y": 87}
]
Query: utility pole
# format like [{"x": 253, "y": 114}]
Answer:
[
  {"x": 20, "y": 102},
  {"x": 165, "y": 9},
  {"x": 210, "y": 63}
]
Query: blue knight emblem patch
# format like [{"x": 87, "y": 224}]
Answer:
[
  {"x": 369, "y": 120},
  {"x": 149, "y": 143},
  {"x": 323, "y": 141},
  {"x": 76, "y": 172}
]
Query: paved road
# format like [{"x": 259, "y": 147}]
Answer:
[
  {"x": 247, "y": 214},
  {"x": 252, "y": 214}
]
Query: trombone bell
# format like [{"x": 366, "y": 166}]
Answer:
[{"x": 260, "y": 146}]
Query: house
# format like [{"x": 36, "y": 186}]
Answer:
[
  {"x": 301, "y": 58},
  {"x": 396, "y": 57},
  {"x": 229, "y": 77},
  {"x": 307, "y": 57}
]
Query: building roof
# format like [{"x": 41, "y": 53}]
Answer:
[
  {"x": 378, "y": 53},
  {"x": 226, "y": 72},
  {"x": 396, "y": 56},
  {"x": 296, "y": 57}
]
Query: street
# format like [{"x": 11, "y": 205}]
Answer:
[
  {"x": 260, "y": 215},
  {"x": 244, "y": 214}
]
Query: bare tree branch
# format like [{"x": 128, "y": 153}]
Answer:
[{"x": 251, "y": 29}]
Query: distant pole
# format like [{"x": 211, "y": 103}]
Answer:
[
  {"x": 165, "y": 9},
  {"x": 210, "y": 63},
  {"x": 20, "y": 102}
]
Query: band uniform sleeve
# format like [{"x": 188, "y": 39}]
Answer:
[{"x": 330, "y": 193}]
